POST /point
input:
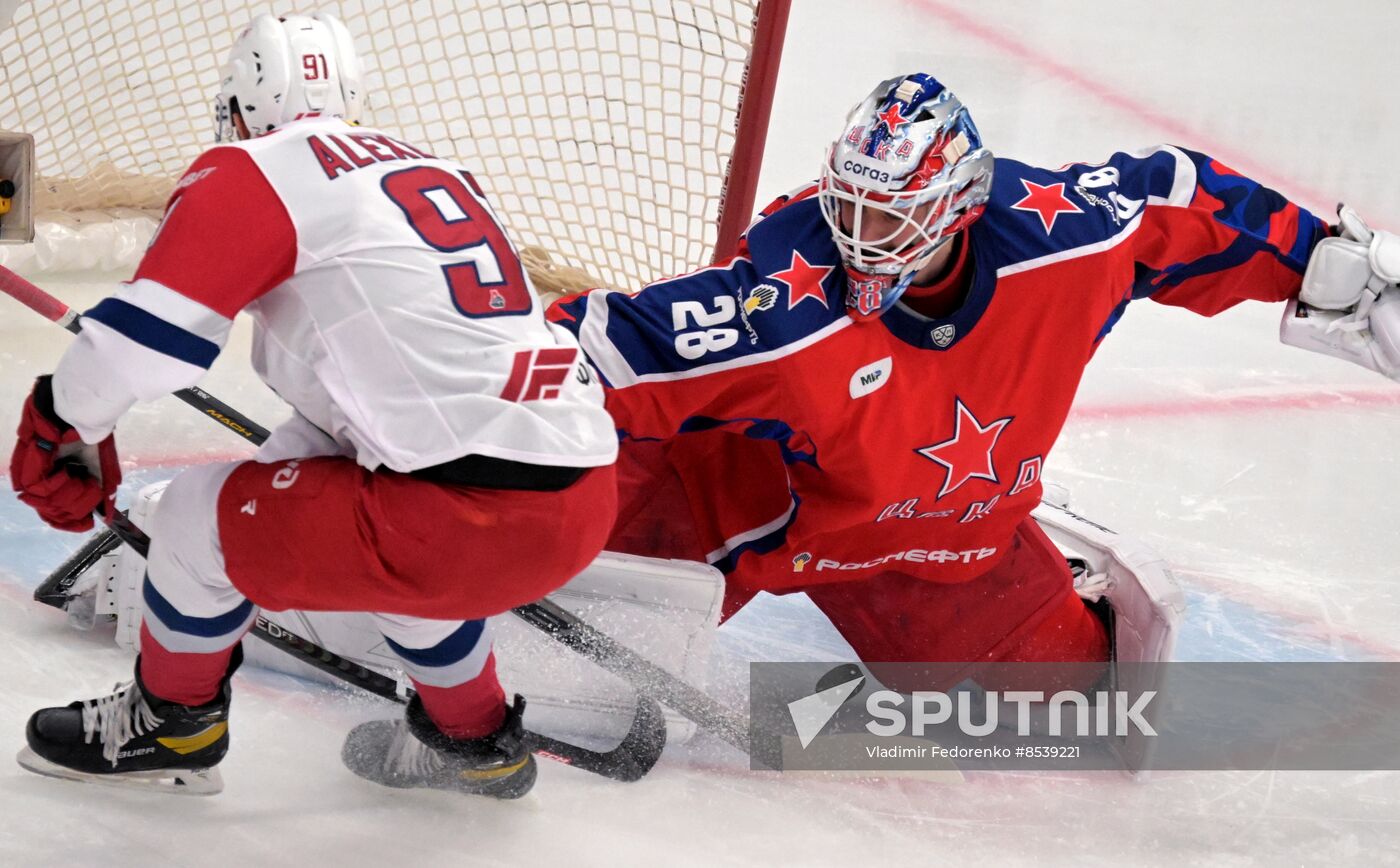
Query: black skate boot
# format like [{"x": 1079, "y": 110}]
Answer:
[
  {"x": 132, "y": 738},
  {"x": 413, "y": 753}
]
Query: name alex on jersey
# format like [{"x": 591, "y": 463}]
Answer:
[{"x": 339, "y": 155}]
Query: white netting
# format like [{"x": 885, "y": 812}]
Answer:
[{"x": 600, "y": 128}]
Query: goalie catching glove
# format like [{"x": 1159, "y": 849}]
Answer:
[
  {"x": 54, "y": 471},
  {"x": 1349, "y": 306}
]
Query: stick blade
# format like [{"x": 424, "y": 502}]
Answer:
[{"x": 634, "y": 756}]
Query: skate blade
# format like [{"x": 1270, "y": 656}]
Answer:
[{"x": 185, "y": 782}]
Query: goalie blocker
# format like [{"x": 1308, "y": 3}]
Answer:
[
  {"x": 668, "y": 611},
  {"x": 1349, "y": 305}
]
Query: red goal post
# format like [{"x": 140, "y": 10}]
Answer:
[{"x": 619, "y": 140}]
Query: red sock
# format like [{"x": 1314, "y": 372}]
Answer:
[
  {"x": 183, "y": 678},
  {"x": 469, "y": 710}
]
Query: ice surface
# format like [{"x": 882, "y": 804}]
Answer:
[{"x": 1264, "y": 474}]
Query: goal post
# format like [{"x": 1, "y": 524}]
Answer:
[
  {"x": 619, "y": 140},
  {"x": 736, "y": 200}
]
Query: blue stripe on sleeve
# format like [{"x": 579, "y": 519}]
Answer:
[{"x": 154, "y": 333}]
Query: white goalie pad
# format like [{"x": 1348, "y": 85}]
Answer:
[
  {"x": 665, "y": 610},
  {"x": 1146, "y": 601}
]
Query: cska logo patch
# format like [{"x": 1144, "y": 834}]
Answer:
[
  {"x": 804, "y": 280},
  {"x": 967, "y": 455},
  {"x": 1047, "y": 202},
  {"x": 893, "y": 118}
]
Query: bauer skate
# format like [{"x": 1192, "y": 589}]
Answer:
[
  {"x": 413, "y": 753},
  {"x": 134, "y": 739}
]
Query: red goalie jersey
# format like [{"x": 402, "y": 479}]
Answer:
[{"x": 815, "y": 449}]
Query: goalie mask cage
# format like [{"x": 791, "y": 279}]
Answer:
[{"x": 621, "y": 138}]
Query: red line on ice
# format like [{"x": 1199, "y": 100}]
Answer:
[
  {"x": 1169, "y": 126},
  {"x": 1337, "y": 399}
]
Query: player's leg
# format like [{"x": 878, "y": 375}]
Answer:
[
  {"x": 419, "y": 553},
  {"x": 458, "y": 733},
  {"x": 1024, "y": 609},
  {"x": 169, "y": 726}
]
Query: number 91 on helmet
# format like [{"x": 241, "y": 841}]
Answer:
[
  {"x": 905, "y": 176},
  {"x": 282, "y": 69}
]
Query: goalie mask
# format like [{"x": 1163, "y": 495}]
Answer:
[
  {"x": 286, "y": 68},
  {"x": 908, "y": 172}
]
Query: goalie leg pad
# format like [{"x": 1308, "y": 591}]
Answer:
[{"x": 1146, "y": 604}]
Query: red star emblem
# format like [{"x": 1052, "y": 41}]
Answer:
[
  {"x": 893, "y": 118},
  {"x": 804, "y": 280},
  {"x": 1048, "y": 201},
  {"x": 968, "y": 454}
]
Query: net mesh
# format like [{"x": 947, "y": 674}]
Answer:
[{"x": 601, "y": 130}]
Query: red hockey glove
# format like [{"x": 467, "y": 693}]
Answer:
[{"x": 53, "y": 470}]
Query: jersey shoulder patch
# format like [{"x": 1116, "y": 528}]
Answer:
[
  {"x": 785, "y": 293},
  {"x": 1042, "y": 212}
]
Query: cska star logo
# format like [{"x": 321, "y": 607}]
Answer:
[
  {"x": 1048, "y": 203},
  {"x": 804, "y": 280},
  {"x": 967, "y": 455},
  {"x": 893, "y": 118}
]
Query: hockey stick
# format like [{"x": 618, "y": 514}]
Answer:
[
  {"x": 565, "y": 627},
  {"x": 652, "y": 682},
  {"x": 629, "y": 761},
  {"x": 52, "y": 309}
]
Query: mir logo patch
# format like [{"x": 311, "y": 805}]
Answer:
[{"x": 871, "y": 377}]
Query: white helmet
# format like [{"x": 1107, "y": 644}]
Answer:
[{"x": 286, "y": 68}]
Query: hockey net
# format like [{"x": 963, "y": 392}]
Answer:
[{"x": 603, "y": 130}]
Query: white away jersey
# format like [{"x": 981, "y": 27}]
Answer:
[{"x": 391, "y": 310}]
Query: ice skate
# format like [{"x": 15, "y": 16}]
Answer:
[
  {"x": 131, "y": 738},
  {"x": 413, "y": 752}
]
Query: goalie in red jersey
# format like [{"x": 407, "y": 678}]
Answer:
[{"x": 859, "y": 405}]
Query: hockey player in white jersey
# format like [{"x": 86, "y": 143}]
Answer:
[{"x": 449, "y": 457}]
